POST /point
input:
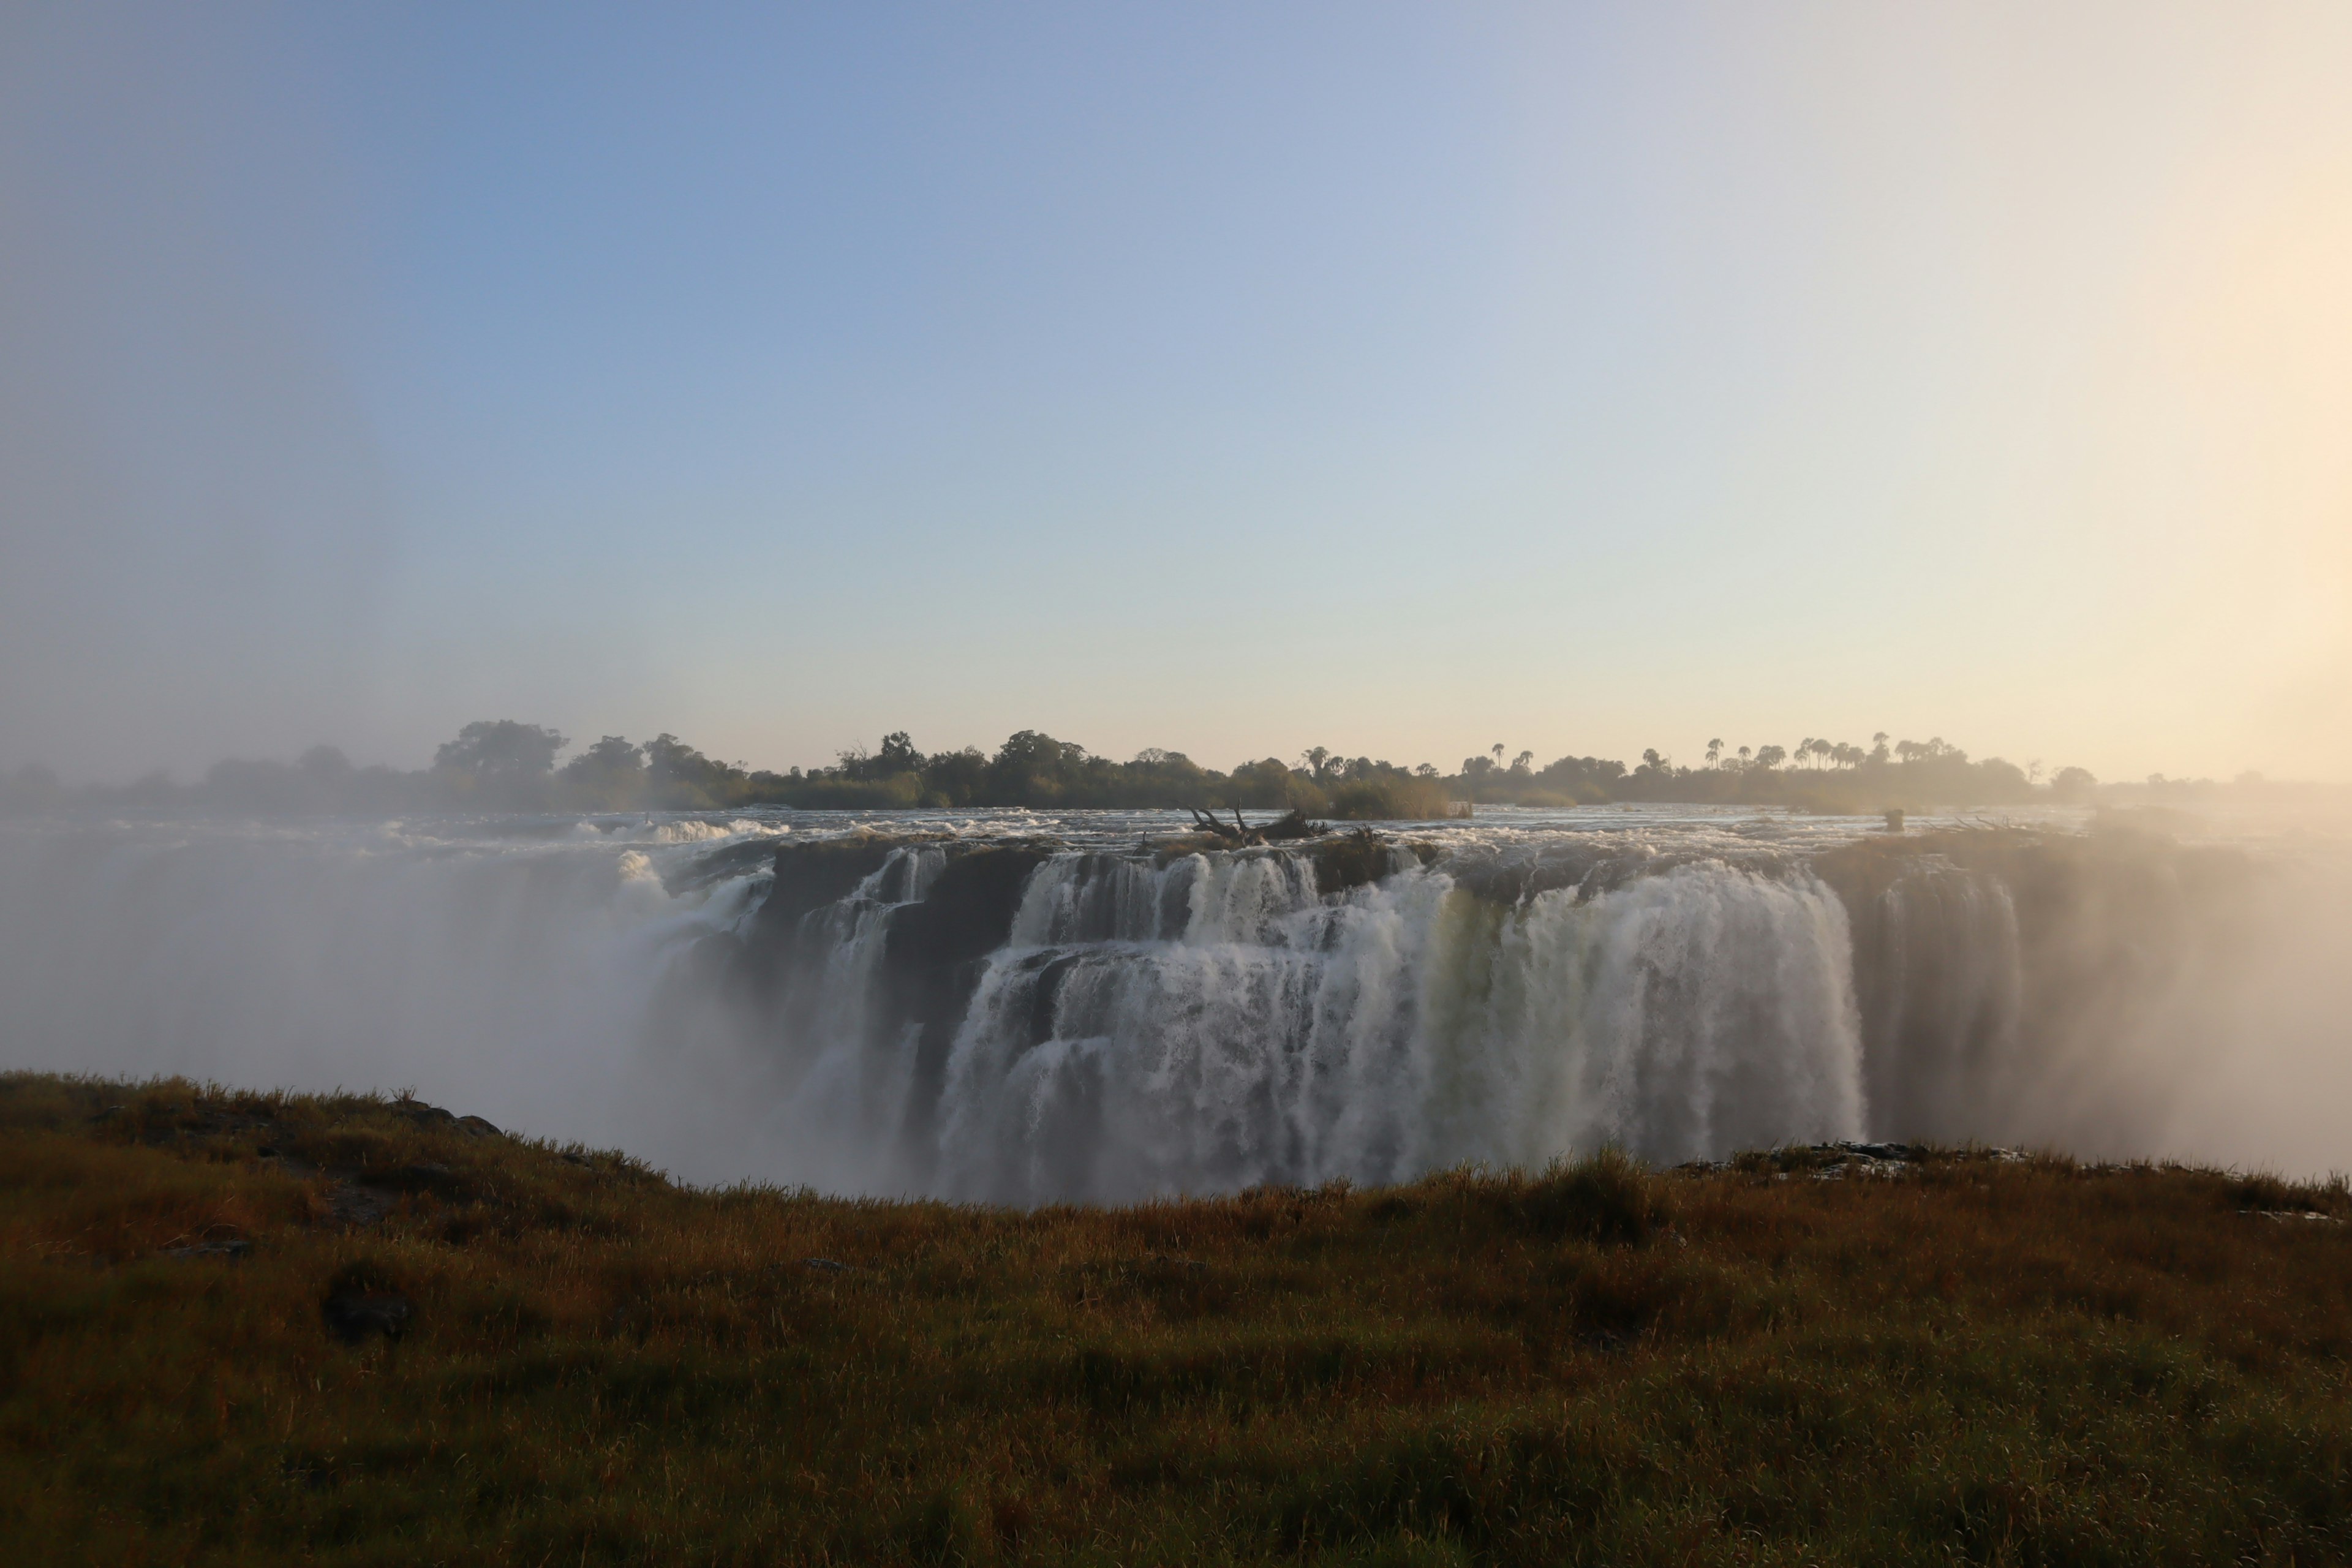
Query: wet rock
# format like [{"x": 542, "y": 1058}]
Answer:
[
  {"x": 809, "y": 875},
  {"x": 825, "y": 1265},
  {"x": 1352, "y": 860}
]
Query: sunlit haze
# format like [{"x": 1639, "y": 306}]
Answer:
[{"x": 1231, "y": 379}]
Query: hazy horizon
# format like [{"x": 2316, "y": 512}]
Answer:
[{"x": 1402, "y": 380}]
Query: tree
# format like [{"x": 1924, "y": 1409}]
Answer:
[
  {"x": 1713, "y": 751},
  {"x": 897, "y": 755},
  {"x": 1772, "y": 757},
  {"x": 325, "y": 764},
  {"x": 499, "y": 762},
  {"x": 1878, "y": 747},
  {"x": 1031, "y": 768},
  {"x": 681, "y": 776},
  {"x": 1498, "y": 749},
  {"x": 958, "y": 778},
  {"x": 608, "y": 775},
  {"x": 1316, "y": 758},
  {"x": 501, "y": 748},
  {"x": 1745, "y": 752},
  {"x": 2074, "y": 784},
  {"x": 1524, "y": 762}
]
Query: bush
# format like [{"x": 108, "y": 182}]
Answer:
[
  {"x": 1609, "y": 1199},
  {"x": 1394, "y": 798}
]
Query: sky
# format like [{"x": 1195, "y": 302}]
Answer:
[{"x": 1402, "y": 379}]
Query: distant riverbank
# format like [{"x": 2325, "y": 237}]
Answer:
[{"x": 503, "y": 765}]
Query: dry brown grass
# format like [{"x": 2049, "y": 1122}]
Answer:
[{"x": 1974, "y": 1361}]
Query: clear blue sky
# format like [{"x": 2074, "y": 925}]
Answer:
[{"x": 1398, "y": 379}]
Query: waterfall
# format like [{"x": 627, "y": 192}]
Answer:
[
  {"x": 861, "y": 1071},
  {"x": 1215, "y": 1025},
  {"x": 998, "y": 1015}
]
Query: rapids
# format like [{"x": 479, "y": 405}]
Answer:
[{"x": 1018, "y": 1008}]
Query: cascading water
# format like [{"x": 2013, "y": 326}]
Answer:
[
  {"x": 1218, "y": 1025},
  {"x": 980, "y": 1011}
]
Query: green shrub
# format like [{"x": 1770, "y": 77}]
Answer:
[{"x": 1391, "y": 798}]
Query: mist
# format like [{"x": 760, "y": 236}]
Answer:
[{"x": 194, "y": 522}]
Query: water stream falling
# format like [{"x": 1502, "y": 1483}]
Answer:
[
  {"x": 1218, "y": 1024},
  {"x": 1034, "y": 1010}
]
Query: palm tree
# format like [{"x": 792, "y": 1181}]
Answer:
[{"x": 1713, "y": 750}]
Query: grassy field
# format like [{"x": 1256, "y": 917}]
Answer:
[{"x": 1969, "y": 1359}]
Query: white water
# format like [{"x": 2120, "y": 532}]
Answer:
[
  {"x": 1231, "y": 1028},
  {"x": 1204, "y": 1027}
]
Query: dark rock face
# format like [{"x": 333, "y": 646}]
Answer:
[
  {"x": 810, "y": 876},
  {"x": 932, "y": 950},
  {"x": 933, "y": 956}
]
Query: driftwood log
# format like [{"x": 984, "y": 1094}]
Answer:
[{"x": 1240, "y": 835}]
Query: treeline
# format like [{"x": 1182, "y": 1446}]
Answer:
[
  {"x": 503, "y": 765},
  {"x": 1814, "y": 775}
]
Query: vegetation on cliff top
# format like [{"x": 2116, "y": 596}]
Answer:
[
  {"x": 256, "y": 1329},
  {"x": 508, "y": 766}
]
